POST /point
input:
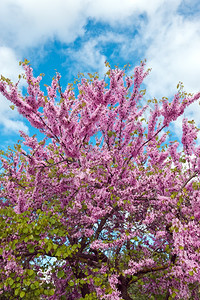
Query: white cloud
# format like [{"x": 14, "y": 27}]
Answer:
[
  {"x": 91, "y": 55},
  {"x": 9, "y": 63},
  {"x": 9, "y": 67},
  {"x": 12, "y": 126},
  {"x": 29, "y": 23},
  {"x": 88, "y": 58},
  {"x": 9, "y": 119},
  {"x": 173, "y": 55},
  {"x": 172, "y": 47},
  {"x": 117, "y": 13}
]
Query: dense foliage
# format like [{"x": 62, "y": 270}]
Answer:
[{"x": 107, "y": 205}]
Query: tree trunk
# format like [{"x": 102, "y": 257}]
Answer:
[
  {"x": 123, "y": 288},
  {"x": 167, "y": 295},
  {"x": 85, "y": 290}
]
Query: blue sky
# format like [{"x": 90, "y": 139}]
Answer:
[{"x": 73, "y": 36}]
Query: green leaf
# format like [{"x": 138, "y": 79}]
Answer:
[
  {"x": 25, "y": 230},
  {"x": 10, "y": 281},
  {"x": 51, "y": 161},
  {"x": 173, "y": 295},
  {"x": 191, "y": 273},
  {"x": 32, "y": 286},
  {"x": 17, "y": 291},
  {"x": 22, "y": 294},
  {"x": 110, "y": 133},
  {"x": 31, "y": 249},
  {"x": 37, "y": 292},
  {"x": 30, "y": 272},
  {"x": 60, "y": 274},
  {"x": 82, "y": 281},
  {"x": 59, "y": 253},
  {"x": 26, "y": 62},
  {"x": 27, "y": 282},
  {"x": 51, "y": 292}
]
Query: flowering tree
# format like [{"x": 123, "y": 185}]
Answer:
[{"x": 102, "y": 207}]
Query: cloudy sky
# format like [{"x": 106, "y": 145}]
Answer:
[{"x": 73, "y": 36}]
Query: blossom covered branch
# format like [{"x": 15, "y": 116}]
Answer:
[{"x": 104, "y": 204}]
